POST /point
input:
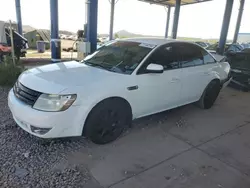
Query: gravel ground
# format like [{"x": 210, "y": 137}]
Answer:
[{"x": 26, "y": 161}]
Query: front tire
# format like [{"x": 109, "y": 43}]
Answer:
[
  {"x": 107, "y": 121},
  {"x": 210, "y": 95}
]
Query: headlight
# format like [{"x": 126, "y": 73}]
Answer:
[{"x": 54, "y": 103}]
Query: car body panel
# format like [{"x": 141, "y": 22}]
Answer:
[
  {"x": 192, "y": 87},
  {"x": 146, "y": 93},
  {"x": 66, "y": 123},
  {"x": 157, "y": 92},
  {"x": 57, "y": 77}
]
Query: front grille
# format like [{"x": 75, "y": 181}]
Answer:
[{"x": 25, "y": 94}]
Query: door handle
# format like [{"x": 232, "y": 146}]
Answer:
[
  {"x": 175, "y": 80},
  {"x": 132, "y": 88}
]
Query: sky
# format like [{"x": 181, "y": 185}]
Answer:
[{"x": 201, "y": 20}]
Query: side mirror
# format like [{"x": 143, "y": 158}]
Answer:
[{"x": 155, "y": 68}]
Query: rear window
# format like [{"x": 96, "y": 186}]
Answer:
[{"x": 191, "y": 55}]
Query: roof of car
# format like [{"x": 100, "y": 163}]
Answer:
[{"x": 153, "y": 41}]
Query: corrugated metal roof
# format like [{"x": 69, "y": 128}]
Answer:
[
  {"x": 45, "y": 34},
  {"x": 173, "y": 2}
]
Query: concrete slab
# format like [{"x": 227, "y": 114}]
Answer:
[
  {"x": 153, "y": 153},
  {"x": 197, "y": 126},
  {"x": 192, "y": 169},
  {"x": 233, "y": 149},
  {"x": 129, "y": 155}
]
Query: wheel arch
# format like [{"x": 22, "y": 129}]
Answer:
[
  {"x": 215, "y": 80},
  {"x": 118, "y": 98},
  {"x": 201, "y": 100}
]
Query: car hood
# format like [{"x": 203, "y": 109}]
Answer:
[{"x": 55, "y": 78}]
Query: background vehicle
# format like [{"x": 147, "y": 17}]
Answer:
[
  {"x": 207, "y": 43},
  {"x": 245, "y": 45},
  {"x": 238, "y": 57},
  {"x": 121, "y": 81},
  {"x": 20, "y": 43},
  {"x": 202, "y": 44},
  {"x": 229, "y": 47},
  {"x": 5, "y": 50},
  {"x": 62, "y": 36},
  {"x": 240, "y": 64}
]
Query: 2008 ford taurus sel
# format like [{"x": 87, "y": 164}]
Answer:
[{"x": 122, "y": 81}]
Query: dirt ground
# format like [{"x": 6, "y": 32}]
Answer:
[
  {"x": 67, "y": 43},
  {"x": 183, "y": 148},
  {"x": 32, "y": 56},
  {"x": 47, "y": 55}
]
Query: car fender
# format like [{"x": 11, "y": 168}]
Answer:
[
  {"x": 87, "y": 101},
  {"x": 214, "y": 75},
  {"x": 220, "y": 72},
  {"x": 97, "y": 101},
  {"x": 107, "y": 96}
]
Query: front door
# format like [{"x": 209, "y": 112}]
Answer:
[{"x": 159, "y": 91}]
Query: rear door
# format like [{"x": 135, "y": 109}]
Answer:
[{"x": 195, "y": 73}]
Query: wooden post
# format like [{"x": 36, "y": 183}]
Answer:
[{"x": 12, "y": 44}]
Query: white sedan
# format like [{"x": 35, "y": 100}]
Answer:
[{"x": 123, "y": 80}]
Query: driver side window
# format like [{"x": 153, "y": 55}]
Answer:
[{"x": 165, "y": 56}]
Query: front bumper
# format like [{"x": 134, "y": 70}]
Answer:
[{"x": 59, "y": 124}]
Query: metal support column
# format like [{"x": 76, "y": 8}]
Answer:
[
  {"x": 19, "y": 17},
  {"x": 92, "y": 24},
  {"x": 237, "y": 29},
  {"x": 167, "y": 23},
  {"x": 54, "y": 32},
  {"x": 225, "y": 26},
  {"x": 111, "y": 19},
  {"x": 176, "y": 18}
]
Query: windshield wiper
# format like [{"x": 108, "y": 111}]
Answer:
[
  {"x": 100, "y": 66},
  {"x": 96, "y": 65}
]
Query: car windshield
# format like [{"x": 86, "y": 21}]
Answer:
[
  {"x": 240, "y": 47},
  {"x": 119, "y": 56}
]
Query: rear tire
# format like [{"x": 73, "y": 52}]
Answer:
[
  {"x": 107, "y": 121},
  {"x": 210, "y": 95}
]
